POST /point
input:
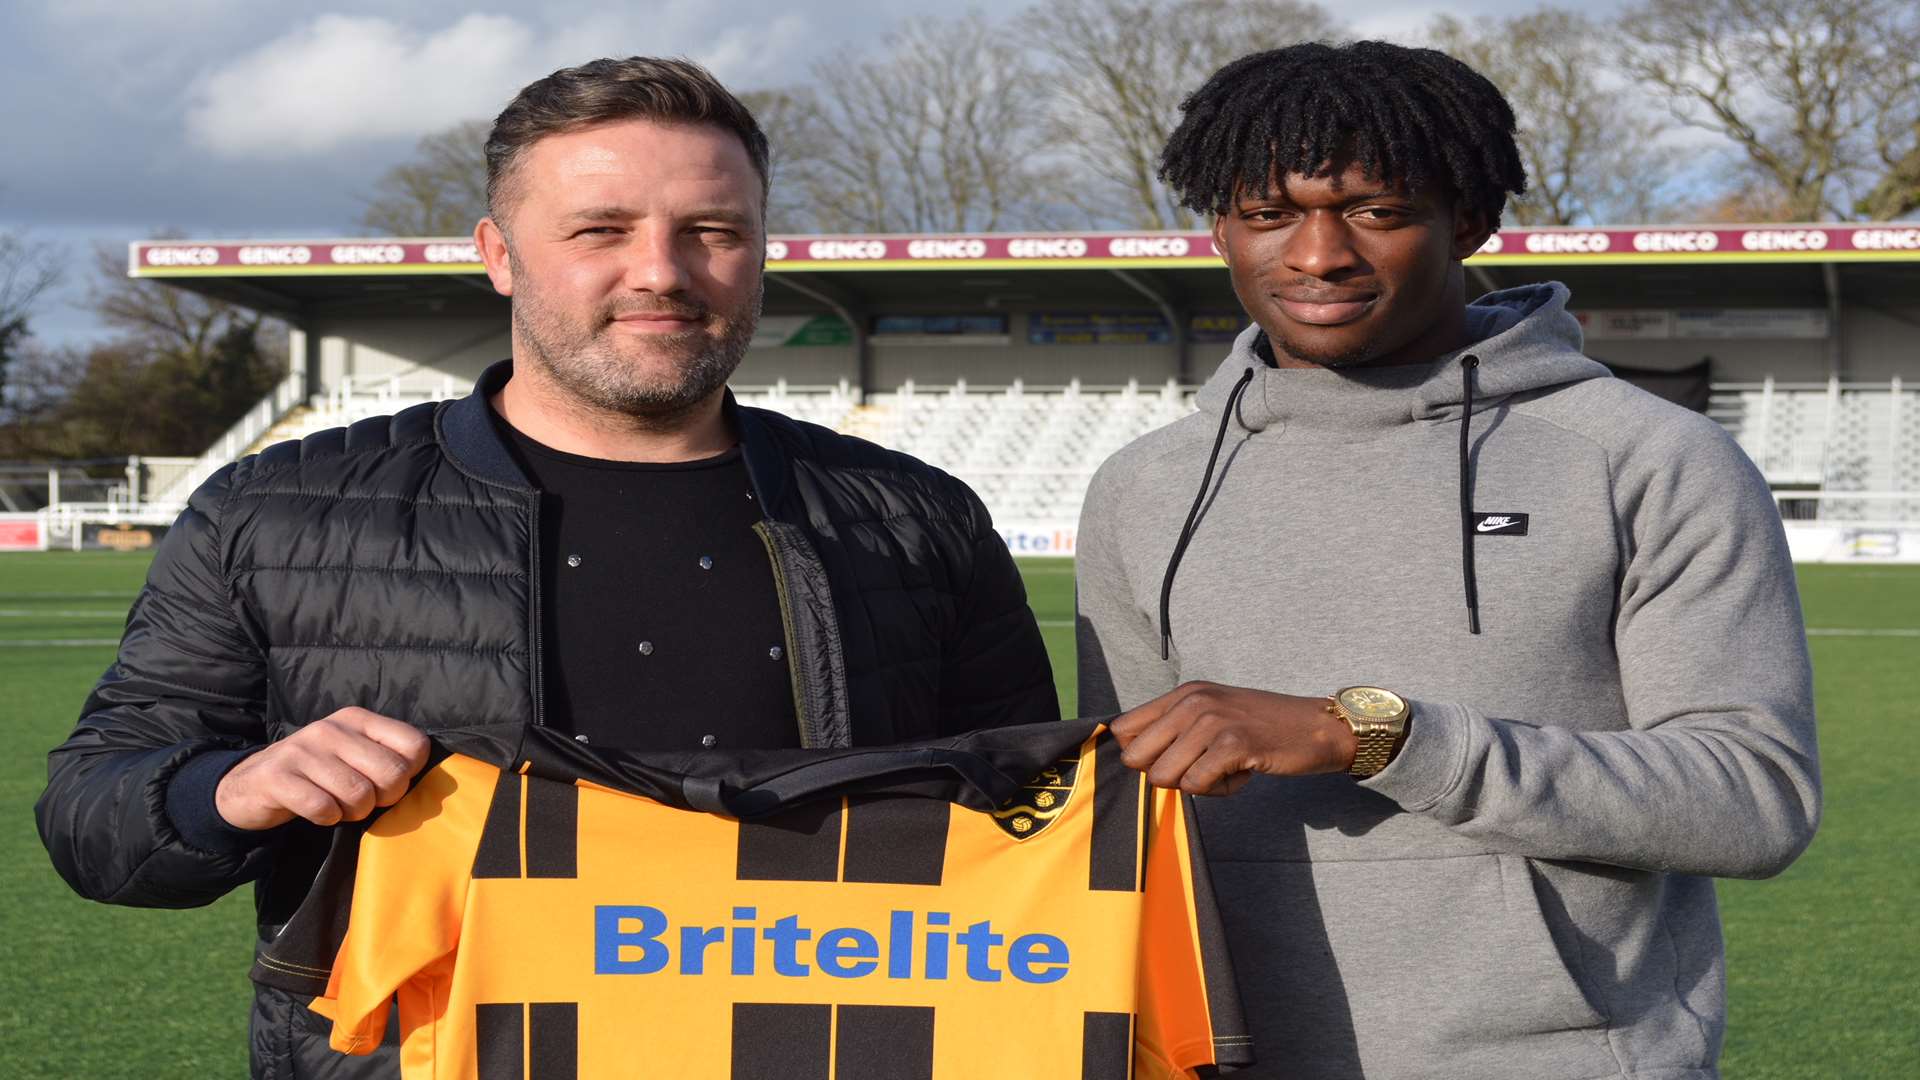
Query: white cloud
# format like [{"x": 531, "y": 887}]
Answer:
[
  {"x": 740, "y": 54},
  {"x": 1407, "y": 22},
  {"x": 343, "y": 78}
]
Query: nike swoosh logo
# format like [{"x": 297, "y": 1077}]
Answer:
[{"x": 1490, "y": 526}]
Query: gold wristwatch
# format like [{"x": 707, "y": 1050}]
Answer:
[{"x": 1378, "y": 719}]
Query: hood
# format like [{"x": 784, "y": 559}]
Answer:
[
  {"x": 1521, "y": 340},
  {"x": 1524, "y": 339}
]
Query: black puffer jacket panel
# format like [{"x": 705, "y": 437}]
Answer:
[{"x": 392, "y": 565}]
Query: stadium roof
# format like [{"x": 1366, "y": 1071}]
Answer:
[
  {"x": 1645, "y": 245},
  {"x": 1777, "y": 263}
]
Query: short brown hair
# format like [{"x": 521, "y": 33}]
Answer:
[{"x": 601, "y": 91}]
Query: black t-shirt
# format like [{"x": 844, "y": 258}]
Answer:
[{"x": 659, "y": 621}]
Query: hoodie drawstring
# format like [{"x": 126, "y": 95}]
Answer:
[
  {"x": 1467, "y": 364},
  {"x": 1186, "y": 531}
]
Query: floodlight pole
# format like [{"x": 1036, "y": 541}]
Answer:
[
  {"x": 1836, "y": 360},
  {"x": 1830, "y": 276},
  {"x": 1174, "y": 323},
  {"x": 862, "y": 354}
]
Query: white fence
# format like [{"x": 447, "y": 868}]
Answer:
[
  {"x": 98, "y": 526},
  {"x": 1845, "y": 526},
  {"x": 1846, "y": 456},
  {"x": 358, "y": 398}
]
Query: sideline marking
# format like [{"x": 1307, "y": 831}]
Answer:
[
  {"x": 1812, "y": 631},
  {"x": 28, "y": 613},
  {"x": 98, "y": 594}
]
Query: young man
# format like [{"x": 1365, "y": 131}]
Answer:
[
  {"x": 1498, "y": 660},
  {"x": 598, "y": 540}
]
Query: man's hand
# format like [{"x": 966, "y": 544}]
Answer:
[
  {"x": 336, "y": 769},
  {"x": 1208, "y": 739}
]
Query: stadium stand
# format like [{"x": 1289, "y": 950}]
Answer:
[
  {"x": 1030, "y": 450},
  {"x": 1020, "y": 362},
  {"x": 1847, "y": 441}
]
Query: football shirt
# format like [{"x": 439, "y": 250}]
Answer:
[{"x": 1011, "y": 899}]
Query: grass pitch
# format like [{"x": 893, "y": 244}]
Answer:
[{"x": 1821, "y": 959}]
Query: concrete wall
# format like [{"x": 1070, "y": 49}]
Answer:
[
  {"x": 1878, "y": 345},
  {"x": 1733, "y": 360},
  {"x": 979, "y": 363},
  {"x": 414, "y": 347},
  {"x": 1882, "y": 344},
  {"x": 1037, "y": 365},
  {"x": 800, "y": 365}
]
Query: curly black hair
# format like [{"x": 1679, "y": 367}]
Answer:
[{"x": 1412, "y": 116}]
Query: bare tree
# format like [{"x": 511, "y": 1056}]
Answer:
[
  {"x": 1896, "y": 140},
  {"x": 27, "y": 270},
  {"x": 440, "y": 191},
  {"x": 1898, "y": 193},
  {"x": 791, "y": 120},
  {"x": 1800, "y": 87},
  {"x": 1742, "y": 198},
  {"x": 938, "y": 135},
  {"x": 1591, "y": 156},
  {"x": 1118, "y": 70},
  {"x": 181, "y": 368}
]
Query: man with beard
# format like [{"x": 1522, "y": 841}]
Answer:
[
  {"x": 598, "y": 539},
  {"x": 1496, "y": 660}
]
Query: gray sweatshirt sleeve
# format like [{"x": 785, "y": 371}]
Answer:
[
  {"x": 1118, "y": 649},
  {"x": 1714, "y": 769}
]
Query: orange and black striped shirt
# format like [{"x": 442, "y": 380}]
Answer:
[{"x": 1009, "y": 899}]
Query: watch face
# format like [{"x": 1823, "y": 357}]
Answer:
[{"x": 1372, "y": 702}]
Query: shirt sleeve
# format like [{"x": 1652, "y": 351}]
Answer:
[
  {"x": 994, "y": 666},
  {"x": 1117, "y": 644},
  {"x": 1714, "y": 768},
  {"x": 1189, "y": 1005},
  {"x": 185, "y": 697},
  {"x": 409, "y": 895}
]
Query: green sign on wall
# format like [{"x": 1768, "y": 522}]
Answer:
[{"x": 779, "y": 331}]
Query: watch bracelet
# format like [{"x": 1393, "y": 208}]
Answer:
[
  {"x": 1375, "y": 747},
  {"x": 1374, "y": 751}
]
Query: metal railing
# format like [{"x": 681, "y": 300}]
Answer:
[
  {"x": 361, "y": 397},
  {"x": 1827, "y": 436},
  {"x": 1869, "y": 509}
]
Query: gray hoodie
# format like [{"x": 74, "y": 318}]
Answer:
[{"x": 1525, "y": 891}]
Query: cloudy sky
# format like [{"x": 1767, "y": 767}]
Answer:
[{"x": 263, "y": 118}]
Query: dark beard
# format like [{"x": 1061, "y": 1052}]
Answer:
[
  {"x": 591, "y": 373},
  {"x": 1357, "y": 356}
]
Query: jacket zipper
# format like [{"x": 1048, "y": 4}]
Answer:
[
  {"x": 786, "y": 625},
  {"x": 534, "y": 665}
]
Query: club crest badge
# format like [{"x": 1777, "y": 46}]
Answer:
[{"x": 1040, "y": 801}]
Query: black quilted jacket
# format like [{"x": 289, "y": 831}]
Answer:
[{"x": 392, "y": 565}]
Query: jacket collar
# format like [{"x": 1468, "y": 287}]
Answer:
[
  {"x": 470, "y": 439},
  {"x": 766, "y": 459},
  {"x": 468, "y": 434}
]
